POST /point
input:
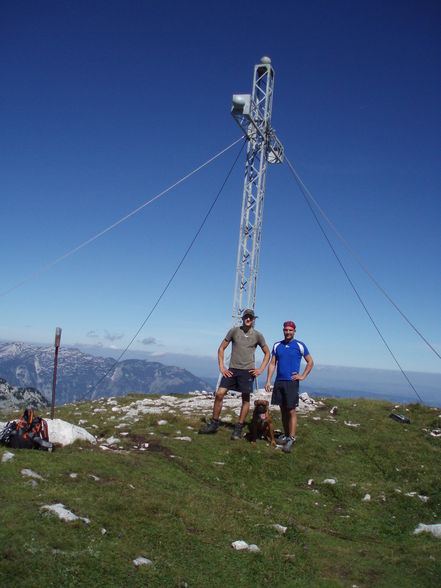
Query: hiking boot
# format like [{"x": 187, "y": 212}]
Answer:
[
  {"x": 210, "y": 429},
  {"x": 237, "y": 433},
  {"x": 282, "y": 439},
  {"x": 289, "y": 444}
]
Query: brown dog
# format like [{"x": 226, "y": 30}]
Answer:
[{"x": 262, "y": 423}]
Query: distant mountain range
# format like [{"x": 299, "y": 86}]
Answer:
[
  {"x": 352, "y": 382},
  {"x": 12, "y": 398},
  {"x": 27, "y": 365}
]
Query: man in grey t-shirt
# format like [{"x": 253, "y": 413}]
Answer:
[{"x": 241, "y": 372}]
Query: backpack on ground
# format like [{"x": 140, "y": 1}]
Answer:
[{"x": 30, "y": 432}]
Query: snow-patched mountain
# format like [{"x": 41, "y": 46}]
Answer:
[
  {"x": 12, "y": 398},
  {"x": 22, "y": 364}
]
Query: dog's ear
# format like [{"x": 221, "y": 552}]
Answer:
[
  {"x": 256, "y": 402},
  {"x": 266, "y": 403}
]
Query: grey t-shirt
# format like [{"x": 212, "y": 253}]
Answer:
[{"x": 243, "y": 347}]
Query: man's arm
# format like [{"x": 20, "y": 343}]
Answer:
[
  {"x": 220, "y": 359},
  {"x": 271, "y": 368},
  {"x": 308, "y": 368},
  {"x": 257, "y": 371}
]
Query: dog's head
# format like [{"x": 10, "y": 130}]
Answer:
[{"x": 261, "y": 408}]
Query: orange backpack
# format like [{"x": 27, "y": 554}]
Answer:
[{"x": 30, "y": 432}]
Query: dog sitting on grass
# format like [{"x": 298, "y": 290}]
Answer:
[{"x": 262, "y": 424}]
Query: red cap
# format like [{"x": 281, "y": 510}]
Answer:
[{"x": 290, "y": 324}]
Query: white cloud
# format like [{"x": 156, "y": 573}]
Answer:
[
  {"x": 150, "y": 341},
  {"x": 113, "y": 337}
]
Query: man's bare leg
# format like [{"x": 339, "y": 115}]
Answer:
[
  {"x": 289, "y": 420},
  {"x": 213, "y": 426},
  {"x": 292, "y": 422},
  {"x": 218, "y": 400},
  {"x": 244, "y": 408},
  {"x": 285, "y": 420}
]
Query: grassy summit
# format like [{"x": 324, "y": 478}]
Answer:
[{"x": 183, "y": 500}]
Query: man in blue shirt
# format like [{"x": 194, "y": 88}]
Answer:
[{"x": 287, "y": 355}]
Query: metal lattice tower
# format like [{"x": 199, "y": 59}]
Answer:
[{"x": 252, "y": 112}]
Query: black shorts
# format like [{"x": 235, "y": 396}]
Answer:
[
  {"x": 240, "y": 381},
  {"x": 286, "y": 393}
]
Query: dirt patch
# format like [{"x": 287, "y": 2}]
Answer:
[{"x": 156, "y": 447}]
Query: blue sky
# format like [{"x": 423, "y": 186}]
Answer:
[{"x": 105, "y": 104}]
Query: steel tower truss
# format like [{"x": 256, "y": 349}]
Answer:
[{"x": 253, "y": 115}]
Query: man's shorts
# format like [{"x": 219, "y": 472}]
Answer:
[
  {"x": 240, "y": 381},
  {"x": 286, "y": 393}
]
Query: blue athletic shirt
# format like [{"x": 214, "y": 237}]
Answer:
[{"x": 288, "y": 356}]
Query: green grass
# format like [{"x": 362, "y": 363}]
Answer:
[{"x": 177, "y": 506}]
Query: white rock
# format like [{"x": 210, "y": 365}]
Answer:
[
  {"x": 183, "y": 438},
  {"x": 65, "y": 433},
  {"x": 7, "y": 456},
  {"x": 239, "y": 545},
  {"x": 310, "y": 482},
  {"x": 63, "y": 513},
  {"x": 349, "y": 424},
  {"x": 103, "y": 531},
  {"x": 162, "y": 422},
  {"x": 330, "y": 481},
  {"x": 142, "y": 561},
  {"x": 253, "y": 548},
  {"x": 31, "y": 474},
  {"x": 434, "y": 529},
  {"x": 73, "y": 475},
  {"x": 366, "y": 498},
  {"x": 280, "y": 528},
  {"x": 112, "y": 440}
]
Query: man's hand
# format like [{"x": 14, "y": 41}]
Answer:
[
  {"x": 256, "y": 372},
  {"x": 226, "y": 373},
  {"x": 295, "y": 376},
  {"x": 268, "y": 387}
]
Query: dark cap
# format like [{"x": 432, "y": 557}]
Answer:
[{"x": 249, "y": 312}]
